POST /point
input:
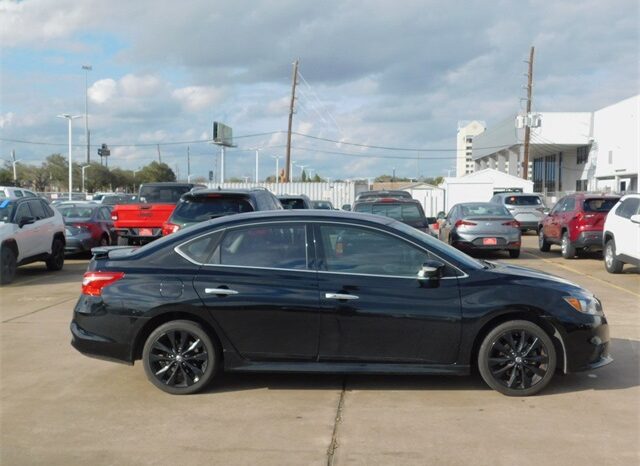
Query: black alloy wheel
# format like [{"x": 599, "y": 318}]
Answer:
[
  {"x": 179, "y": 357},
  {"x": 517, "y": 358},
  {"x": 8, "y": 265},
  {"x": 55, "y": 261}
]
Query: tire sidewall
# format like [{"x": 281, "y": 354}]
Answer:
[
  {"x": 56, "y": 260},
  {"x": 8, "y": 254},
  {"x": 200, "y": 332},
  {"x": 485, "y": 349}
]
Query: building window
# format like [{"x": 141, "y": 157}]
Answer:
[
  {"x": 582, "y": 154},
  {"x": 469, "y": 139},
  {"x": 581, "y": 185}
]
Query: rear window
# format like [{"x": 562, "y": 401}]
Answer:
[
  {"x": 293, "y": 203},
  {"x": 402, "y": 212},
  {"x": 522, "y": 200},
  {"x": 76, "y": 211},
  {"x": 200, "y": 209},
  {"x": 482, "y": 210},
  {"x": 162, "y": 194},
  {"x": 599, "y": 205}
]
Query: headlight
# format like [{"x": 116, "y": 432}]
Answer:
[{"x": 590, "y": 306}]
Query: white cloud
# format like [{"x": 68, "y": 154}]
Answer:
[
  {"x": 195, "y": 98},
  {"x": 103, "y": 90}
]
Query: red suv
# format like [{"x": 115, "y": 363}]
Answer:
[{"x": 576, "y": 223}]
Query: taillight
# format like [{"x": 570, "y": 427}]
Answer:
[
  {"x": 94, "y": 282},
  {"x": 512, "y": 223},
  {"x": 114, "y": 216},
  {"x": 461, "y": 223},
  {"x": 168, "y": 228}
]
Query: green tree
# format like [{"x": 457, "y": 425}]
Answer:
[
  {"x": 6, "y": 177},
  {"x": 155, "y": 172},
  {"x": 304, "y": 176}
]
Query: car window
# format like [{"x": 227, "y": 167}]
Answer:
[
  {"x": 357, "y": 250},
  {"x": 599, "y": 205},
  {"x": 76, "y": 211},
  {"x": 569, "y": 205},
  {"x": 401, "y": 211},
  {"x": 6, "y": 209},
  {"x": 162, "y": 194},
  {"x": 199, "y": 209},
  {"x": 37, "y": 210},
  {"x": 482, "y": 210},
  {"x": 18, "y": 193},
  {"x": 293, "y": 203},
  {"x": 47, "y": 209},
  {"x": 277, "y": 246},
  {"x": 22, "y": 212},
  {"x": 628, "y": 207},
  {"x": 200, "y": 249},
  {"x": 523, "y": 200}
]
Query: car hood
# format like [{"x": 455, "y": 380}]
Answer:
[
  {"x": 7, "y": 229},
  {"x": 516, "y": 271}
]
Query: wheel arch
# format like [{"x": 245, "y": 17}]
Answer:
[
  {"x": 60, "y": 235},
  {"x": 531, "y": 315},
  {"x": 607, "y": 236},
  {"x": 13, "y": 245}
]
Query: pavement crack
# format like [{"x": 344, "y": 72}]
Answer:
[
  {"x": 333, "y": 446},
  {"x": 39, "y": 309}
]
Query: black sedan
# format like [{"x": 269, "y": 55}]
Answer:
[{"x": 325, "y": 291}]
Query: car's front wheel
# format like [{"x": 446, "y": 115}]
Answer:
[
  {"x": 8, "y": 265},
  {"x": 612, "y": 264},
  {"x": 179, "y": 357},
  {"x": 55, "y": 261},
  {"x": 517, "y": 358}
]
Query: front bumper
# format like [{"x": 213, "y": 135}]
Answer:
[{"x": 587, "y": 346}]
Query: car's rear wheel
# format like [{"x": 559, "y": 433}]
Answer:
[
  {"x": 8, "y": 265},
  {"x": 568, "y": 249},
  {"x": 517, "y": 358},
  {"x": 514, "y": 253},
  {"x": 55, "y": 261},
  {"x": 104, "y": 241},
  {"x": 179, "y": 357},
  {"x": 612, "y": 264},
  {"x": 542, "y": 241}
]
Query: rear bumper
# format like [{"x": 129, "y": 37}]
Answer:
[
  {"x": 589, "y": 239},
  {"x": 97, "y": 346},
  {"x": 76, "y": 245},
  {"x": 475, "y": 242},
  {"x": 133, "y": 234}
]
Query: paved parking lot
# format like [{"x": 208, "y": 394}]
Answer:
[{"x": 61, "y": 408}]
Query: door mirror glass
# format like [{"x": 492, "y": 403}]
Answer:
[
  {"x": 635, "y": 218},
  {"x": 26, "y": 221},
  {"x": 431, "y": 220},
  {"x": 431, "y": 270}
]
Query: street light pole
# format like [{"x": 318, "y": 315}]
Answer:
[
  {"x": 257, "y": 152},
  {"x": 84, "y": 167},
  {"x": 14, "y": 162},
  {"x": 86, "y": 69},
  {"x": 277, "y": 157},
  {"x": 69, "y": 118}
]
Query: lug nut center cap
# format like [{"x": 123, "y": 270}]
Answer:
[{"x": 518, "y": 359}]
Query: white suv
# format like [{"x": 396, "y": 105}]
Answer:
[
  {"x": 621, "y": 234},
  {"x": 30, "y": 230}
]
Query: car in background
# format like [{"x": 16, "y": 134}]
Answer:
[
  {"x": 87, "y": 225},
  {"x": 30, "y": 231},
  {"x": 576, "y": 223},
  {"x": 204, "y": 204},
  {"x": 405, "y": 210},
  {"x": 290, "y": 201},
  {"x": 361, "y": 196},
  {"x": 325, "y": 205},
  {"x": 481, "y": 226},
  {"x": 621, "y": 234},
  {"x": 527, "y": 209},
  {"x": 97, "y": 197},
  {"x": 15, "y": 192},
  {"x": 114, "y": 199},
  {"x": 368, "y": 294}
]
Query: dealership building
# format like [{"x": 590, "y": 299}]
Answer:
[{"x": 569, "y": 151}]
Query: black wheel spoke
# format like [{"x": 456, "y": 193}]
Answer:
[
  {"x": 534, "y": 344},
  {"x": 511, "y": 341},
  {"x": 172, "y": 377},
  {"x": 192, "y": 347},
  {"x": 164, "y": 369},
  {"x": 503, "y": 369},
  {"x": 500, "y": 347},
  {"x": 525, "y": 381},
  {"x": 183, "y": 341},
  {"x": 496, "y": 361},
  {"x": 188, "y": 380},
  {"x": 541, "y": 359},
  {"x": 523, "y": 340},
  {"x": 161, "y": 347},
  {"x": 172, "y": 338},
  {"x": 158, "y": 357},
  {"x": 197, "y": 357},
  {"x": 536, "y": 370},
  {"x": 512, "y": 378},
  {"x": 196, "y": 370}
]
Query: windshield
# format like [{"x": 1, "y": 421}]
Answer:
[
  {"x": 402, "y": 212},
  {"x": 599, "y": 205},
  {"x": 6, "y": 210},
  {"x": 201, "y": 209},
  {"x": 523, "y": 200},
  {"x": 483, "y": 210},
  {"x": 81, "y": 212},
  {"x": 162, "y": 194}
]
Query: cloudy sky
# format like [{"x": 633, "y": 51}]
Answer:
[{"x": 380, "y": 73}]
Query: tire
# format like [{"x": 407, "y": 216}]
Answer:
[
  {"x": 568, "y": 249},
  {"x": 123, "y": 241},
  {"x": 173, "y": 369},
  {"x": 517, "y": 358},
  {"x": 104, "y": 241},
  {"x": 514, "y": 253},
  {"x": 612, "y": 264},
  {"x": 8, "y": 265},
  {"x": 542, "y": 241},
  {"x": 55, "y": 261}
]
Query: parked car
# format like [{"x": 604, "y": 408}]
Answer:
[
  {"x": 408, "y": 211},
  {"x": 576, "y": 223},
  {"x": 326, "y": 205},
  {"x": 115, "y": 199},
  {"x": 621, "y": 234},
  {"x": 361, "y": 196},
  {"x": 481, "y": 226},
  {"x": 527, "y": 209},
  {"x": 97, "y": 197},
  {"x": 87, "y": 225},
  {"x": 15, "y": 192},
  {"x": 254, "y": 292},
  {"x": 290, "y": 201},
  {"x": 30, "y": 230},
  {"x": 205, "y": 204}
]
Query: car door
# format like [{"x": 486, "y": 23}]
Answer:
[
  {"x": 374, "y": 306},
  {"x": 25, "y": 236},
  {"x": 551, "y": 223},
  {"x": 103, "y": 217},
  {"x": 41, "y": 228},
  {"x": 447, "y": 225},
  {"x": 260, "y": 288}
]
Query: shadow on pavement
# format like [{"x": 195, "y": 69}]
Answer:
[{"x": 37, "y": 274}]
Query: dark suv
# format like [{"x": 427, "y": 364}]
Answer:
[
  {"x": 405, "y": 210},
  {"x": 576, "y": 223},
  {"x": 205, "y": 204}
]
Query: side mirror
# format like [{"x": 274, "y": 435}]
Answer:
[
  {"x": 635, "y": 218},
  {"x": 441, "y": 215},
  {"x": 431, "y": 270},
  {"x": 26, "y": 221},
  {"x": 431, "y": 220},
  {"x": 346, "y": 206}
]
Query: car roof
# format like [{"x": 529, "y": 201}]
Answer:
[
  {"x": 388, "y": 200},
  {"x": 293, "y": 196},
  {"x": 517, "y": 194},
  {"x": 206, "y": 191}
]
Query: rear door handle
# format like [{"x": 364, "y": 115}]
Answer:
[
  {"x": 341, "y": 296},
  {"x": 220, "y": 291}
]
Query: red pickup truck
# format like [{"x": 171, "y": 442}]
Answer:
[{"x": 142, "y": 222}]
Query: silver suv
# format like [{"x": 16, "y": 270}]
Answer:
[
  {"x": 527, "y": 209},
  {"x": 30, "y": 230}
]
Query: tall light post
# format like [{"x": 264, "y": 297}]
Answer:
[
  {"x": 83, "y": 168},
  {"x": 257, "y": 152},
  {"x": 134, "y": 178},
  {"x": 69, "y": 118},
  {"x": 302, "y": 167},
  {"x": 86, "y": 69},
  {"x": 290, "y": 177},
  {"x": 277, "y": 157}
]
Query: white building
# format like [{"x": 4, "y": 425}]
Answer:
[
  {"x": 569, "y": 152},
  {"x": 431, "y": 197},
  {"x": 467, "y": 131}
]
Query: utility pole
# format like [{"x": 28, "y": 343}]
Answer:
[
  {"x": 294, "y": 81},
  {"x": 14, "y": 162},
  {"x": 86, "y": 69},
  {"x": 159, "y": 154},
  {"x": 527, "y": 129},
  {"x": 188, "y": 166}
]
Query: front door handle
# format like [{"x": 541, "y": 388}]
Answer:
[
  {"x": 220, "y": 291},
  {"x": 341, "y": 296}
]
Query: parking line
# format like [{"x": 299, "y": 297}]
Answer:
[
  {"x": 40, "y": 309},
  {"x": 571, "y": 269}
]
